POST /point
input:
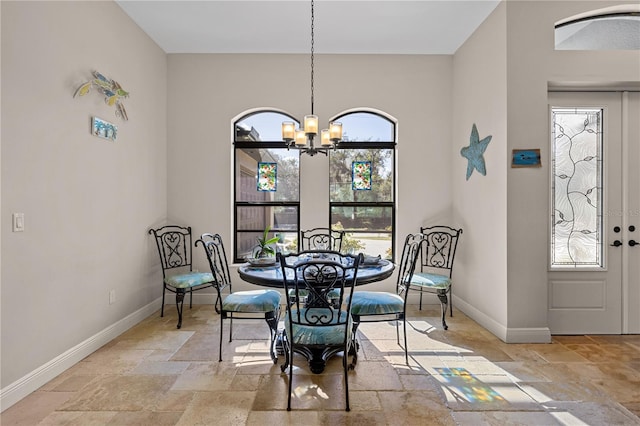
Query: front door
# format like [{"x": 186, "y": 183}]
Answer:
[{"x": 594, "y": 262}]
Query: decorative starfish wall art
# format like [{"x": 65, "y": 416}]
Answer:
[
  {"x": 473, "y": 152},
  {"x": 111, "y": 89}
]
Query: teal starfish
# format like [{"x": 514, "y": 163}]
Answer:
[{"x": 474, "y": 152}]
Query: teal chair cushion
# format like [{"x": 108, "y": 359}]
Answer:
[
  {"x": 190, "y": 279},
  {"x": 252, "y": 301},
  {"x": 315, "y": 335},
  {"x": 376, "y": 303},
  {"x": 435, "y": 281}
]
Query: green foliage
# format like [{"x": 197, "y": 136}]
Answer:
[
  {"x": 264, "y": 244},
  {"x": 349, "y": 245}
]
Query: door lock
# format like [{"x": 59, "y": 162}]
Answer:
[{"x": 618, "y": 243}]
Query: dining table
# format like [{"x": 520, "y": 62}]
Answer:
[{"x": 269, "y": 274}]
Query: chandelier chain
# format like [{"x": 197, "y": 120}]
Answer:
[{"x": 312, "y": 42}]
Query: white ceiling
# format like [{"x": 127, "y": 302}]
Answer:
[{"x": 341, "y": 26}]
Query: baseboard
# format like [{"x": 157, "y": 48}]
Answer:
[
  {"x": 43, "y": 374},
  {"x": 529, "y": 335},
  {"x": 507, "y": 335}
]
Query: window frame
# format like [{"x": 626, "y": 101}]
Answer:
[
  {"x": 239, "y": 145},
  {"x": 367, "y": 145}
]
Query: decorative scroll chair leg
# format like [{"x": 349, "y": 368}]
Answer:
[
  {"x": 164, "y": 288},
  {"x": 450, "y": 303},
  {"x": 190, "y": 298},
  {"x": 404, "y": 330},
  {"x": 355, "y": 345},
  {"x": 272, "y": 322},
  {"x": 218, "y": 304},
  {"x": 221, "y": 333},
  {"x": 442, "y": 295},
  {"x": 230, "y": 328},
  {"x": 179, "y": 304},
  {"x": 285, "y": 349},
  {"x": 346, "y": 379},
  {"x": 353, "y": 352},
  {"x": 420, "y": 300},
  {"x": 290, "y": 362}
]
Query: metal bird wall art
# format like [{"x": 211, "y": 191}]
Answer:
[{"x": 111, "y": 89}]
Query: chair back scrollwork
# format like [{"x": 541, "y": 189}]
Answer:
[
  {"x": 440, "y": 252},
  {"x": 321, "y": 239},
  {"x": 174, "y": 246}
]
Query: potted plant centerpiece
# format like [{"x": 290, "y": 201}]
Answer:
[{"x": 264, "y": 248}]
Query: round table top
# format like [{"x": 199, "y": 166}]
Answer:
[{"x": 271, "y": 276}]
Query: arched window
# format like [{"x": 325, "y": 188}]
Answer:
[
  {"x": 267, "y": 183},
  {"x": 362, "y": 183}
]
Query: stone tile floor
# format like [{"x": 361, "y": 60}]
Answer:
[{"x": 157, "y": 375}]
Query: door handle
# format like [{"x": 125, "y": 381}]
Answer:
[
  {"x": 618, "y": 243},
  {"x": 633, "y": 243}
]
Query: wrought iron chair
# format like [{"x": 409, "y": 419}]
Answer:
[
  {"x": 174, "y": 247},
  {"x": 321, "y": 239},
  {"x": 249, "y": 304},
  {"x": 380, "y": 306},
  {"x": 436, "y": 265},
  {"x": 318, "y": 325}
]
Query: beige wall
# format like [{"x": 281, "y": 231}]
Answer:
[
  {"x": 532, "y": 63},
  {"x": 88, "y": 202},
  {"x": 206, "y": 92},
  {"x": 501, "y": 78},
  {"x": 480, "y": 97}
]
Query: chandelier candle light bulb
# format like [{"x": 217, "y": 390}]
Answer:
[
  {"x": 324, "y": 138},
  {"x": 335, "y": 131},
  {"x": 311, "y": 124},
  {"x": 301, "y": 138},
  {"x": 288, "y": 130}
]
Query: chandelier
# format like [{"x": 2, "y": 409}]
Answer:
[{"x": 302, "y": 139}]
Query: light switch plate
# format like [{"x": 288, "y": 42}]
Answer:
[{"x": 18, "y": 222}]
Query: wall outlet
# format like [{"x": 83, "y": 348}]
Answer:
[{"x": 112, "y": 297}]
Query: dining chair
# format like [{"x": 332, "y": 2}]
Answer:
[
  {"x": 249, "y": 304},
  {"x": 321, "y": 239},
  {"x": 436, "y": 265},
  {"x": 382, "y": 306},
  {"x": 319, "y": 325},
  {"x": 174, "y": 248}
]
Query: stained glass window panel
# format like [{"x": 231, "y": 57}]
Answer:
[
  {"x": 576, "y": 232},
  {"x": 267, "y": 173},
  {"x": 361, "y": 175},
  {"x": 341, "y": 175}
]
